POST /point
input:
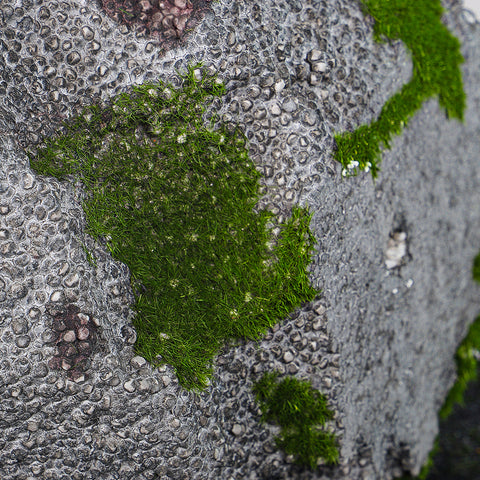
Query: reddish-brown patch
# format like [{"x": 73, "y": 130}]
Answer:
[
  {"x": 74, "y": 335},
  {"x": 167, "y": 20}
]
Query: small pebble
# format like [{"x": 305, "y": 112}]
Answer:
[
  {"x": 288, "y": 357},
  {"x": 129, "y": 386},
  {"x": 238, "y": 429},
  {"x": 69, "y": 336}
]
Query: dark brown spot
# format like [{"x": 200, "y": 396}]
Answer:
[
  {"x": 74, "y": 335},
  {"x": 166, "y": 20}
]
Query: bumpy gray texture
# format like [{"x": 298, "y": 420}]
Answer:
[{"x": 379, "y": 343}]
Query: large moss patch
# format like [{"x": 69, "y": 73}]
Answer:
[{"x": 175, "y": 198}]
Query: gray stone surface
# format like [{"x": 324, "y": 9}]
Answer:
[{"x": 379, "y": 342}]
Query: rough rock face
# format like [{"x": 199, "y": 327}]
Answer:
[{"x": 380, "y": 341}]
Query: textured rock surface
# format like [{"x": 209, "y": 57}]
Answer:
[{"x": 380, "y": 341}]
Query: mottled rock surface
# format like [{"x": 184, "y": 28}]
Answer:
[{"x": 379, "y": 343}]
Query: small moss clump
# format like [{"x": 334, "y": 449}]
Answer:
[
  {"x": 476, "y": 268},
  {"x": 301, "y": 412},
  {"x": 174, "y": 198},
  {"x": 436, "y": 73}
]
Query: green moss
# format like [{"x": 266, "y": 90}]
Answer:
[
  {"x": 476, "y": 268},
  {"x": 436, "y": 59},
  {"x": 174, "y": 199},
  {"x": 300, "y": 411}
]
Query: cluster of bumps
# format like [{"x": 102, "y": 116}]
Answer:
[
  {"x": 164, "y": 19},
  {"x": 74, "y": 336}
]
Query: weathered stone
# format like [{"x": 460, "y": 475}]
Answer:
[
  {"x": 69, "y": 336},
  {"x": 87, "y": 33},
  {"x": 59, "y": 57},
  {"x": 129, "y": 386},
  {"x": 138, "y": 362}
]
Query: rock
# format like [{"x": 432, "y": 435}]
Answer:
[
  {"x": 69, "y": 336},
  {"x": 238, "y": 429},
  {"x": 288, "y": 357},
  {"x": 314, "y": 55},
  {"x": 87, "y": 33},
  {"x": 396, "y": 250},
  {"x": 288, "y": 69},
  {"x": 129, "y": 386},
  {"x": 138, "y": 362},
  {"x": 56, "y": 296},
  {"x": 83, "y": 333}
]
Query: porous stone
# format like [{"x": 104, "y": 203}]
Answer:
[{"x": 309, "y": 69}]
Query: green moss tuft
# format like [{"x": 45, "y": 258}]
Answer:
[
  {"x": 174, "y": 199},
  {"x": 436, "y": 59},
  {"x": 476, "y": 268},
  {"x": 300, "y": 411}
]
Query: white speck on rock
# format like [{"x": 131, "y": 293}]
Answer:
[
  {"x": 396, "y": 250},
  {"x": 279, "y": 86},
  {"x": 56, "y": 296}
]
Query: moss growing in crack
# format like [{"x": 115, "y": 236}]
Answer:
[
  {"x": 301, "y": 412},
  {"x": 436, "y": 59},
  {"x": 175, "y": 199}
]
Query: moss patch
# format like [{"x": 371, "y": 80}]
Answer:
[
  {"x": 436, "y": 59},
  {"x": 301, "y": 412},
  {"x": 175, "y": 199}
]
